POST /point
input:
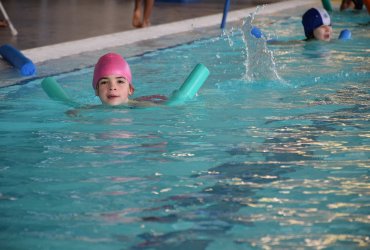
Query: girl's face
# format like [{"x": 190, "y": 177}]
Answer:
[
  {"x": 323, "y": 33},
  {"x": 113, "y": 90}
]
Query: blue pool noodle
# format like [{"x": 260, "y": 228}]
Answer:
[
  {"x": 18, "y": 60},
  {"x": 190, "y": 87},
  {"x": 345, "y": 35}
]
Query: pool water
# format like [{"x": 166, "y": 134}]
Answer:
[{"x": 273, "y": 153}]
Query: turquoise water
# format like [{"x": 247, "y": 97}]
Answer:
[{"x": 272, "y": 154}]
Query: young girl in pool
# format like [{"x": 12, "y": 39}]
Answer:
[{"x": 112, "y": 83}]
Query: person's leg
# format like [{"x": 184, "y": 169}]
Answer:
[
  {"x": 346, "y": 4},
  {"x": 136, "y": 18},
  {"x": 147, "y": 12}
]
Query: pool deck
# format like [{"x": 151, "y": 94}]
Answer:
[{"x": 70, "y": 52}]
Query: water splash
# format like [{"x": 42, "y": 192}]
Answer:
[{"x": 259, "y": 62}]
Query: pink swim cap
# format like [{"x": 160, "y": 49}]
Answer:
[{"x": 111, "y": 64}]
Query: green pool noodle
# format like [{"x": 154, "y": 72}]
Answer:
[
  {"x": 327, "y": 5},
  {"x": 190, "y": 87},
  {"x": 54, "y": 90}
]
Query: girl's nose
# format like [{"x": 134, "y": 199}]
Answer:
[{"x": 112, "y": 86}]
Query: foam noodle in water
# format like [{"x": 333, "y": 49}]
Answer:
[
  {"x": 55, "y": 91},
  {"x": 190, "y": 87},
  {"x": 345, "y": 35}
]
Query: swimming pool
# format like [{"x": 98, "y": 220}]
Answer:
[{"x": 276, "y": 157}]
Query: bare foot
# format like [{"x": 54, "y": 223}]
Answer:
[
  {"x": 136, "y": 19},
  {"x": 146, "y": 23}
]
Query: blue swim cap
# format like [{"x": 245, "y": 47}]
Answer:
[{"x": 314, "y": 18}]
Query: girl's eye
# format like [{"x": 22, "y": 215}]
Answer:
[
  {"x": 103, "y": 82},
  {"x": 121, "y": 81}
]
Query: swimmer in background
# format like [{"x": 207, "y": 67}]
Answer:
[
  {"x": 137, "y": 21},
  {"x": 113, "y": 85},
  {"x": 317, "y": 26}
]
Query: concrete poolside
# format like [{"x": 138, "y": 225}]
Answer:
[{"x": 66, "y": 54}]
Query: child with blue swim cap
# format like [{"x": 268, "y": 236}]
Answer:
[{"x": 317, "y": 24}]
